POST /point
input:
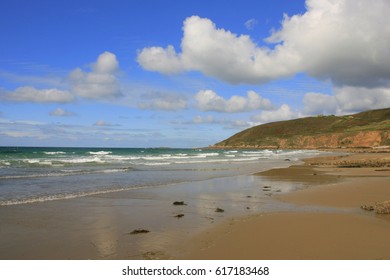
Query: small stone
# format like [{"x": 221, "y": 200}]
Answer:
[
  {"x": 219, "y": 210},
  {"x": 179, "y": 203},
  {"x": 179, "y": 216},
  {"x": 138, "y": 231}
]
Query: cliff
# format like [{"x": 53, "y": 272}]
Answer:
[{"x": 365, "y": 129}]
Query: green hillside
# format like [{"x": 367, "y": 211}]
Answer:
[{"x": 370, "y": 128}]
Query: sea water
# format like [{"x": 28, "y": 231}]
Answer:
[{"x": 31, "y": 175}]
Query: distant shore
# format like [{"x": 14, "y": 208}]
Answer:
[{"x": 341, "y": 229}]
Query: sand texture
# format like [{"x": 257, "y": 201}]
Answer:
[{"x": 341, "y": 230}]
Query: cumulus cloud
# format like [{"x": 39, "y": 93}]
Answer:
[
  {"x": 317, "y": 103},
  {"x": 218, "y": 53},
  {"x": 346, "y": 41},
  {"x": 99, "y": 83},
  {"x": 208, "y": 100},
  {"x": 159, "y": 59},
  {"x": 31, "y": 94},
  {"x": 59, "y": 112},
  {"x": 346, "y": 100},
  {"x": 280, "y": 114}
]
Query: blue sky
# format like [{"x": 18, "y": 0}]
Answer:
[{"x": 183, "y": 73}]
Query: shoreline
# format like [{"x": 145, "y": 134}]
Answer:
[
  {"x": 342, "y": 230},
  {"x": 101, "y": 226}
]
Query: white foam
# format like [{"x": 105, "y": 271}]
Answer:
[
  {"x": 100, "y": 153},
  {"x": 54, "y": 153}
]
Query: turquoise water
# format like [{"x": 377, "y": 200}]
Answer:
[{"x": 30, "y": 175}]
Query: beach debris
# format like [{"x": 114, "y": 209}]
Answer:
[
  {"x": 382, "y": 207},
  {"x": 247, "y": 208},
  {"x": 140, "y": 230},
  {"x": 248, "y": 196},
  {"x": 179, "y": 216},
  {"x": 367, "y": 207},
  {"x": 179, "y": 203},
  {"x": 219, "y": 210}
]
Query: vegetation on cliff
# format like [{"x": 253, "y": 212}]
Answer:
[{"x": 365, "y": 129}]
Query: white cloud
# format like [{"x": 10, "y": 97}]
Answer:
[
  {"x": 59, "y": 112},
  {"x": 162, "y": 60},
  {"x": 101, "y": 82},
  {"x": 354, "y": 99},
  {"x": 346, "y": 41},
  {"x": 31, "y": 94},
  {"x": 346, "y": 100},
  {"x": 215, "y": 52},
  {"x": 280, "y": 114},
  {"x": 318, "y": 103},
  {"x": 208, "y": 100}
]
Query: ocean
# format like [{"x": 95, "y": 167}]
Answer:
[{"x": 32, "y": 175}]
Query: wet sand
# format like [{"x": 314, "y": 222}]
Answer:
[
  {"x": 99, "y": 226},
  {"x": 300, "y": 212},
  {"x": 342, "y": 230}
]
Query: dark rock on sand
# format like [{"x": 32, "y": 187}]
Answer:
[
  {"x": 138, "y": 231},
  {"x": 179, "y": 203},
  {"x": 179, "y": 216}
]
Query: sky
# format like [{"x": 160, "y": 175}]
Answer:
[{"x": 147, "y": 73}]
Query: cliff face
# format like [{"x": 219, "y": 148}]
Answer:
[{"x": 367, "y": 129}]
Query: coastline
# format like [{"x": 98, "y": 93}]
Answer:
[
  {"x": 341, "y": 230},
  {"x": 100, "y": 226},
  {"x": 257, "y": 209}
]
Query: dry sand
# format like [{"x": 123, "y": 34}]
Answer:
[{"x": 343, "y": 232}]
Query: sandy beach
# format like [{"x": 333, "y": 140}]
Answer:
[
  {"x": 342, "y": 230},
  {"x": 99, "y": 226},
  {"x": 309, "y": 211}
]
